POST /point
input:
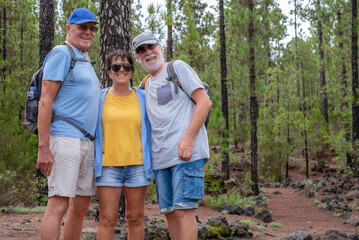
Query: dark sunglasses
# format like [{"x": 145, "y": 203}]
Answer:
[
  {"x": 117, "y": 66},
  {"x": 142, "y": 49},
  {"x": 84, "y": 27}
]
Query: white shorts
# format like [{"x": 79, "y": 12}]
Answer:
[{"x": 72, "y": 173}]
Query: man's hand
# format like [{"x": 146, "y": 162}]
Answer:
[
  {"x": 45, "y": 161},
  {"x": 185, "y": 148}
]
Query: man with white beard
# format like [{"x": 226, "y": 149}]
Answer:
[{"x": 180, "y": 144}]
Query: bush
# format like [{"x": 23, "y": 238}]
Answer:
[
  {"x": 21, "y": 188},
  {"x": 38, "y": 209},
  {"x": 21, "y": 210}
]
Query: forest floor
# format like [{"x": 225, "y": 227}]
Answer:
[{"x": 291, "y": 208}]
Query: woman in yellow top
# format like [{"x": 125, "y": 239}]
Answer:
[{"x": 122, "y": 149}]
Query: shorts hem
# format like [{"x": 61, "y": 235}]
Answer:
[
  {"x": 53, "y": 194},
  {"x": 85, "y": 194},
  {"x": 108, "y": 185},
  {"x": 188, "y": 205},
  {"x": 137, "y": 185}
]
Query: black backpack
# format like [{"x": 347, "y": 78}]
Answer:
[
  {"x": 172, "y": 76},
  {"x": 34, "y": 94}
]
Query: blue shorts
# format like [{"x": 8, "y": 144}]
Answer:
[
  {"x": 180, "y": 186},
  {"x": 128, "y": 176}
]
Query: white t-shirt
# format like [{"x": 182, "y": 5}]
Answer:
[{"x": 170, "y": 114}]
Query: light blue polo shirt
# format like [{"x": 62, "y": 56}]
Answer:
[{"x": 77, "y": 100}]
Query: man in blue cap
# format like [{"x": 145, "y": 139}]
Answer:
[{"x": 65, "y": 154}]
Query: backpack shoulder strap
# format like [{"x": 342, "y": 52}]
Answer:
[
  {"x": 143, "y": 82},
  {"x": 73, "y": 61},
  {"x": 88, "y": 135},
  {"x": 172, "y": 76}
]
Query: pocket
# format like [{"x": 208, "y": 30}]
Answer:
[
  {"x": 164, "y": 94},
  {"x": 193, "y": 183}
]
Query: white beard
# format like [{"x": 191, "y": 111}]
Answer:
[{"x": 150, "y": 68}]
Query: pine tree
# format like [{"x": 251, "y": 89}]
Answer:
[
  {"x": 253, "y": 101},
  {"x": 224, "y": 97},
  {"x": 47, "y": 28},
  {"x": 115, "y": 31},
  {"x": 355, "y": 84}
]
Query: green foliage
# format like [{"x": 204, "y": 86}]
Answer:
[
  {"x": 21, "y": 210},
  {"x": 260, "y": 227},
  {"x": 38, "y": 209},
  {"x": 322, "y": 205},
  {"x": 275, "y": 224},
  {"x": 232, "y": 198},
  {"x": 247, "y": 221},
  {"x": 20, "y": 187},
  {"x": 151, "y": 196},
  {"x": 287, "y": 81}
]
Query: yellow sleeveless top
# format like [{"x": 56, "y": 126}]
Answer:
[{"x": 121, "y": 130}]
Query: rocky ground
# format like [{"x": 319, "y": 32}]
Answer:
[{"x": 325, "y": 207}]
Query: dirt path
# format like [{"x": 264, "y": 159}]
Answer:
[
  {"x": 296, "y": 211},
  {"x": 291, "y": 208}
]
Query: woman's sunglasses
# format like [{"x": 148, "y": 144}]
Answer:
[
  {"x": 142, "y": 49},
  {"x": 117, "y": 66}
]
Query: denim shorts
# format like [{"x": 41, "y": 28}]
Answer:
[
  {"x": 180, "y": 186},
  {"x": 128, "y": 176}
]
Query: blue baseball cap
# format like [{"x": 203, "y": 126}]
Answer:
[{"x": 82, "y": 15}]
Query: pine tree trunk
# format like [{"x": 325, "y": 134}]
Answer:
[
  {"x": 253, "y": 103},
  {"x": 323, "y": 90},
  {"x": 344, "y": 86},
  {"x": 115, "y": 34},
  {"x": 225, "y": 153},
  {"x": 355, "y": 105},
  {"x": 4, "y": 42},
  {"x": 296, "y": 53},
  {"x": 169, "y": 31},
  {"x": 115, "y": 31},
  {"x": 305, "y": 128},
  {"x": 47, "y": 28}
]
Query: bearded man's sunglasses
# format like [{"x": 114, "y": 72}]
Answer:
[{"x": 142, "y": 49}]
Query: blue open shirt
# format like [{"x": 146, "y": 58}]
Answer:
[{"x": 145, "y": 136}]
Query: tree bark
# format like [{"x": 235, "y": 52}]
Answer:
[
  {"x": 253, "y": 102},
  {"x": 115, "y": 31},
  {"x": 224, "y": 94},
  {"x": 169, "y": 31},
  {"x": 296, "y": 54},
  {"x": 4, "y": 42},
  {"x": 323, "y": 90},
  {"x": 47, "y": 28},
  {"x": 115, "y": 34},
  {"x": 355, "y": 105}
]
